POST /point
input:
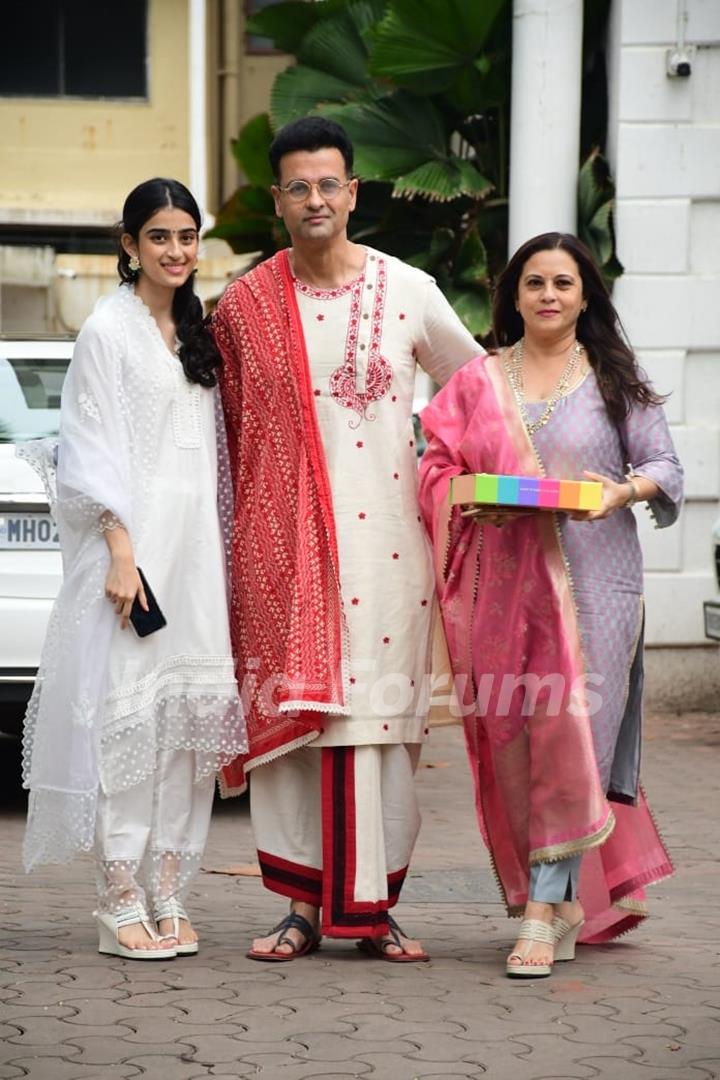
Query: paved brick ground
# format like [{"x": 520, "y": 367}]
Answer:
[{"x": 646, "y": 1008}]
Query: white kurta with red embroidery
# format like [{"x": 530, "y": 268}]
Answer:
[{"x": 364, "y": 341}]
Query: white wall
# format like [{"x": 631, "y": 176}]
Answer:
[{"x": 664, "y": 146}]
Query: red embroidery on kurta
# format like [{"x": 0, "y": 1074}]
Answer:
[
  {"x": 326, "y": 294},
  {"x": 378, "y": 374},
  {"x": 386, "y": 641},
  {"x": 362, "y": 515}
]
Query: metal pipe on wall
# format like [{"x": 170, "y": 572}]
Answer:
[
  {"x": 229, "y": 94},
  {"x": 545, "y": 117},
  {"x": 197, "y": 105}
]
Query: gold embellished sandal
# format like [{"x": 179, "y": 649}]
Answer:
[{"x": 531, "y": 930}]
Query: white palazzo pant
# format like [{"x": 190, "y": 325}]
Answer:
[
  {"x": 156, "y": 830},
  {"x": 336, "y": 826}
]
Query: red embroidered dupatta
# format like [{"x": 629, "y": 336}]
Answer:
[
  {"x": 509, "y": 613},
  {"x": 286, "y": 618}
]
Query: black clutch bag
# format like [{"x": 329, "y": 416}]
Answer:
[{"x": 146, "y": 622}]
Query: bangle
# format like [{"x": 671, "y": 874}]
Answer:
[{"x": 634, "y": 495}]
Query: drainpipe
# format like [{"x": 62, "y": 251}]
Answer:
[
  {"x": 545, "y": 117},
  {"x": 229, "y": 95},
  {"x": 197, "y": 90}
]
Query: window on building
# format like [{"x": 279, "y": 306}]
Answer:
[
  {"x": 74, "y": 48},
  {"x": 254, "y": 44}
]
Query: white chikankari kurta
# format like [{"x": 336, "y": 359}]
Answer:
[
  {"x": 137, "y": 442},
  {"x": 364, "y": 342}
]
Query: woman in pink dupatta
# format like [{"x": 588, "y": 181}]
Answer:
[{"x": 543, "y": 611}]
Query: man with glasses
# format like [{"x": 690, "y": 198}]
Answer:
[{"x": 332, "y": 578}]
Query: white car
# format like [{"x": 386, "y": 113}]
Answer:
[
  {"x": 711, "y": 608},
  {"x": 31, "y": 378}
]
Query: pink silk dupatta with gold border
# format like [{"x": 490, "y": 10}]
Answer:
[{"x": 514, "y": 643}]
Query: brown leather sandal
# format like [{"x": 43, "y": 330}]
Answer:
[
  {"x": 377, "y": 947},
  {"x": 292, "y": 921}
]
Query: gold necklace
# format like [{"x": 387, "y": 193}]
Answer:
[{"x": 514, "y": 370}]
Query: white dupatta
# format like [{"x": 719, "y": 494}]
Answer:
[{"x": 61, "y": 735}]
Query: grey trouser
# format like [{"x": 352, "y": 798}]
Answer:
[{"x": 551, "y": 883}]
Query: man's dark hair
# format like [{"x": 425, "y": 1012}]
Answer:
[{"x": 310, "y": 133}]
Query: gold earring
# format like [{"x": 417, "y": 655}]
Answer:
[{"x": 134, "y": 264}]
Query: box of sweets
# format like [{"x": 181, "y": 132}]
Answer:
[{"x": 538, "y": 491}]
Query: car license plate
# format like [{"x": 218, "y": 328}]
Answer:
[
  {"x": 711, "y": 609},
  {"x": 26, "y": 532}
]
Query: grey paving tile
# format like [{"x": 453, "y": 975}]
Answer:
[
  {"x": 56, "y": 1068},
  {"x": 272, "y": 1067},
  {"x": 216, "y": 1049},
  {"x": 166, "y": 1066},
  {"x": 109, "y": 1049},
  {"x": 396, "y": 1067},
  {"x": 339, "y": 1014}
]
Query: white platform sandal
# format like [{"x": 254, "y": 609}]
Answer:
[
  {"x": 109, "y": 927},
  {"x": 531, "y": 930},
  {"x": 565, "y": 938},
  {"x": 173, "y": 909}
]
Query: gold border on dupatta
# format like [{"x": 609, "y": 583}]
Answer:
[
  {"x": 551, "y": 539},
  {"x": 566, "y": 850},
  {"x": 633, "y": 907}
]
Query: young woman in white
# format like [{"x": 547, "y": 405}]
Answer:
[{"x": 124, "y": 733}]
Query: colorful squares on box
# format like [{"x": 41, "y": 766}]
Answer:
[{"x": 539, "y": 491}]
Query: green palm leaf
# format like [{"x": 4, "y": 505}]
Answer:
[
  {"x": 596, "y": 202},
  {"x": 441, "y": 181},
  {"x": 248, "y": 222},
  {"x": 424, "y": 44},
  {"x": 287, "y": 23},
  {"x": 301, "y": 90},
  {"x": 471, "y": 264},
  {"x": 334, "y": 46},
  {"x": 250, "y": 150},
  {"x": 473, "y": 307},
  {"x": 392, "y": 136}
]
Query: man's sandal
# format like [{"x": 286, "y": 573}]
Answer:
[
  {"x": 292, "y": 921},
  {"x": 531, "y": 930},
  {"x": 378, "y": 947}
]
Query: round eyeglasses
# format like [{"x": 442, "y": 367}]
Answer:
[{"x": 300, "y": 190}]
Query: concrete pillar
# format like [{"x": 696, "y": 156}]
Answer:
[{"x": 545, "y": 117}]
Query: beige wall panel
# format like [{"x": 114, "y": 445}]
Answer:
[
  {"x": 78, "y": 159},
  {"x": 258, "y": 75}
]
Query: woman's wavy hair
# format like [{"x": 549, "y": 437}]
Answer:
[
  {"x": 622, "y": 383},
  {"x": 198, "y": 354}
]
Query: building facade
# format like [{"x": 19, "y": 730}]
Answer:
[
  {"x": 664, "y": 147},
  {"x": 95, "y": 99}
]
